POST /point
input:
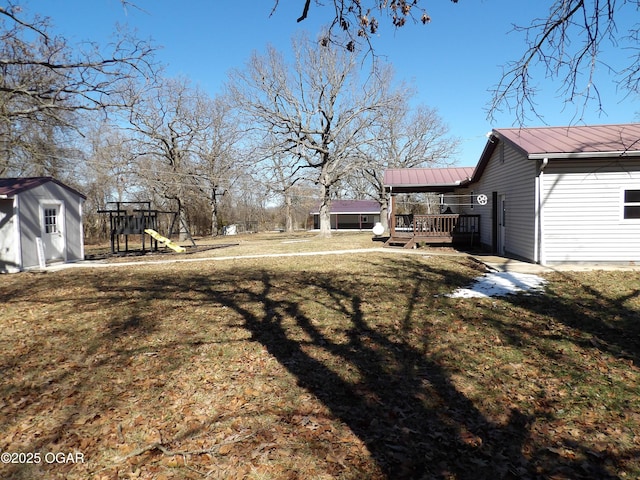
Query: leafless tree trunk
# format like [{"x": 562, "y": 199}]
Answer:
[
  {"x": 217, "y": 160},
  {"x": 279, "y": 173}
]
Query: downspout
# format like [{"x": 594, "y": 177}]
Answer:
[{"x": 539, "y": 254}]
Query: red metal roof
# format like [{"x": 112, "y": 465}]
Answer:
[
  {"x": 425, "y": 178},
  {"x": 13, "y": 186},
  {"x": 575, "y": 141},
  {"x": 353, "y": 206}
]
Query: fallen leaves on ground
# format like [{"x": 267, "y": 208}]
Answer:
[{"x": 302, "y": 368}]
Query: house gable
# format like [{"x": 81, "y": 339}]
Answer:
[{"x": 505, "y": 176}]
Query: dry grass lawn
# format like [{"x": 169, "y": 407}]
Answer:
[{"x": 353, "y": 366}]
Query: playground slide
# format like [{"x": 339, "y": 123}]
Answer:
[{"x": 173, "y": 246}]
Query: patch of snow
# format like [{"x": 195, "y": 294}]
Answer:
[{"x": 499, "y": 284}]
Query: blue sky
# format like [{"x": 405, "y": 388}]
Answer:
[{"x": 453, "y": 62}]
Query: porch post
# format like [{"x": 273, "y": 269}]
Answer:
[{"x": 392, "y": 223}]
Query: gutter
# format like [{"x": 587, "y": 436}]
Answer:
[{"x": 582, "y": 155}]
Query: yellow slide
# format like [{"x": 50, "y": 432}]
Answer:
[{"x": 173, "y": 246}]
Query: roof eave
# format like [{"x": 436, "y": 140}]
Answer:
[
  {"x": 487, "y": 152},
  {"x": 421, "y": 188}
]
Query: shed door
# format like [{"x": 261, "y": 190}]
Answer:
[{"x": 52, "y": 227}]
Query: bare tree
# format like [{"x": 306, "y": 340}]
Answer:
[
  {"x": 106, "y": 173},
  {"x": 218, "y": 162},
  {"x": 356, "y": 21},
  {"x": 168, "y": 125},
  {"x": 278, "y": 172},
  {"x": 316, "y": 108},
  {"x": 44, "y": 81}
]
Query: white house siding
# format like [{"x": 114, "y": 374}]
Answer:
[
  {"x": 508, "y": 172},
  {"x": 9, "y": 245},
  {"x": 31, "y": 223},
  {"x": 583, "y": 211}
]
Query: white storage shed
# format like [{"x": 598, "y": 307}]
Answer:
[{"x": 40, "y": 223}]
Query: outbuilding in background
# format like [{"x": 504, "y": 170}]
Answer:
[{"x": 350, "y": 215}]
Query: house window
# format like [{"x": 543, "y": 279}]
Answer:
[
  {"x": 50, "y": 220},
  {"x": 631, "y": 204}
]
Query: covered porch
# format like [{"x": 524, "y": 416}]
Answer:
[{"x": 407, "y": 229}]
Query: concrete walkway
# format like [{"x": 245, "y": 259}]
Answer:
[
  {"x": 492, "y": 262},
  {"x": 503, "y": 264}
]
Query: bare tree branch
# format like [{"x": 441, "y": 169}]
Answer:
[
  {"x": 45, "y": 82},
  {"x": 566, "y": 47}
]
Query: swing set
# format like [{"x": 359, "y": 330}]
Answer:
[{"x": 138, "y": 218}]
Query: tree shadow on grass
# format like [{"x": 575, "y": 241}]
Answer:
[
  {"x": 404, "y": 406},
  {"x": 606, "y": 320},
  {"x": 350, "y": 341},
  {"x": 586, "y": 341}
]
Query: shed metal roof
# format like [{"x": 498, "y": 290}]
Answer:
[
  {"x": 575, "y": 141},
  {"x": 9, "y": 187}
]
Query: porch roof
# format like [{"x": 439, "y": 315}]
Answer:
[{"x": 414, "y": 180}]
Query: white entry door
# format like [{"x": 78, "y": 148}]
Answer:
[{"x": 53, "y": 238}]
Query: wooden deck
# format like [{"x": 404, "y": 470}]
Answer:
[{"x": 407, "y": 230}]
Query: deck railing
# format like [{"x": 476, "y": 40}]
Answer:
[{"x": 436, "y": 228}]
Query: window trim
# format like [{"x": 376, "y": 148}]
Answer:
[{"x": 624, "y": 203}]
